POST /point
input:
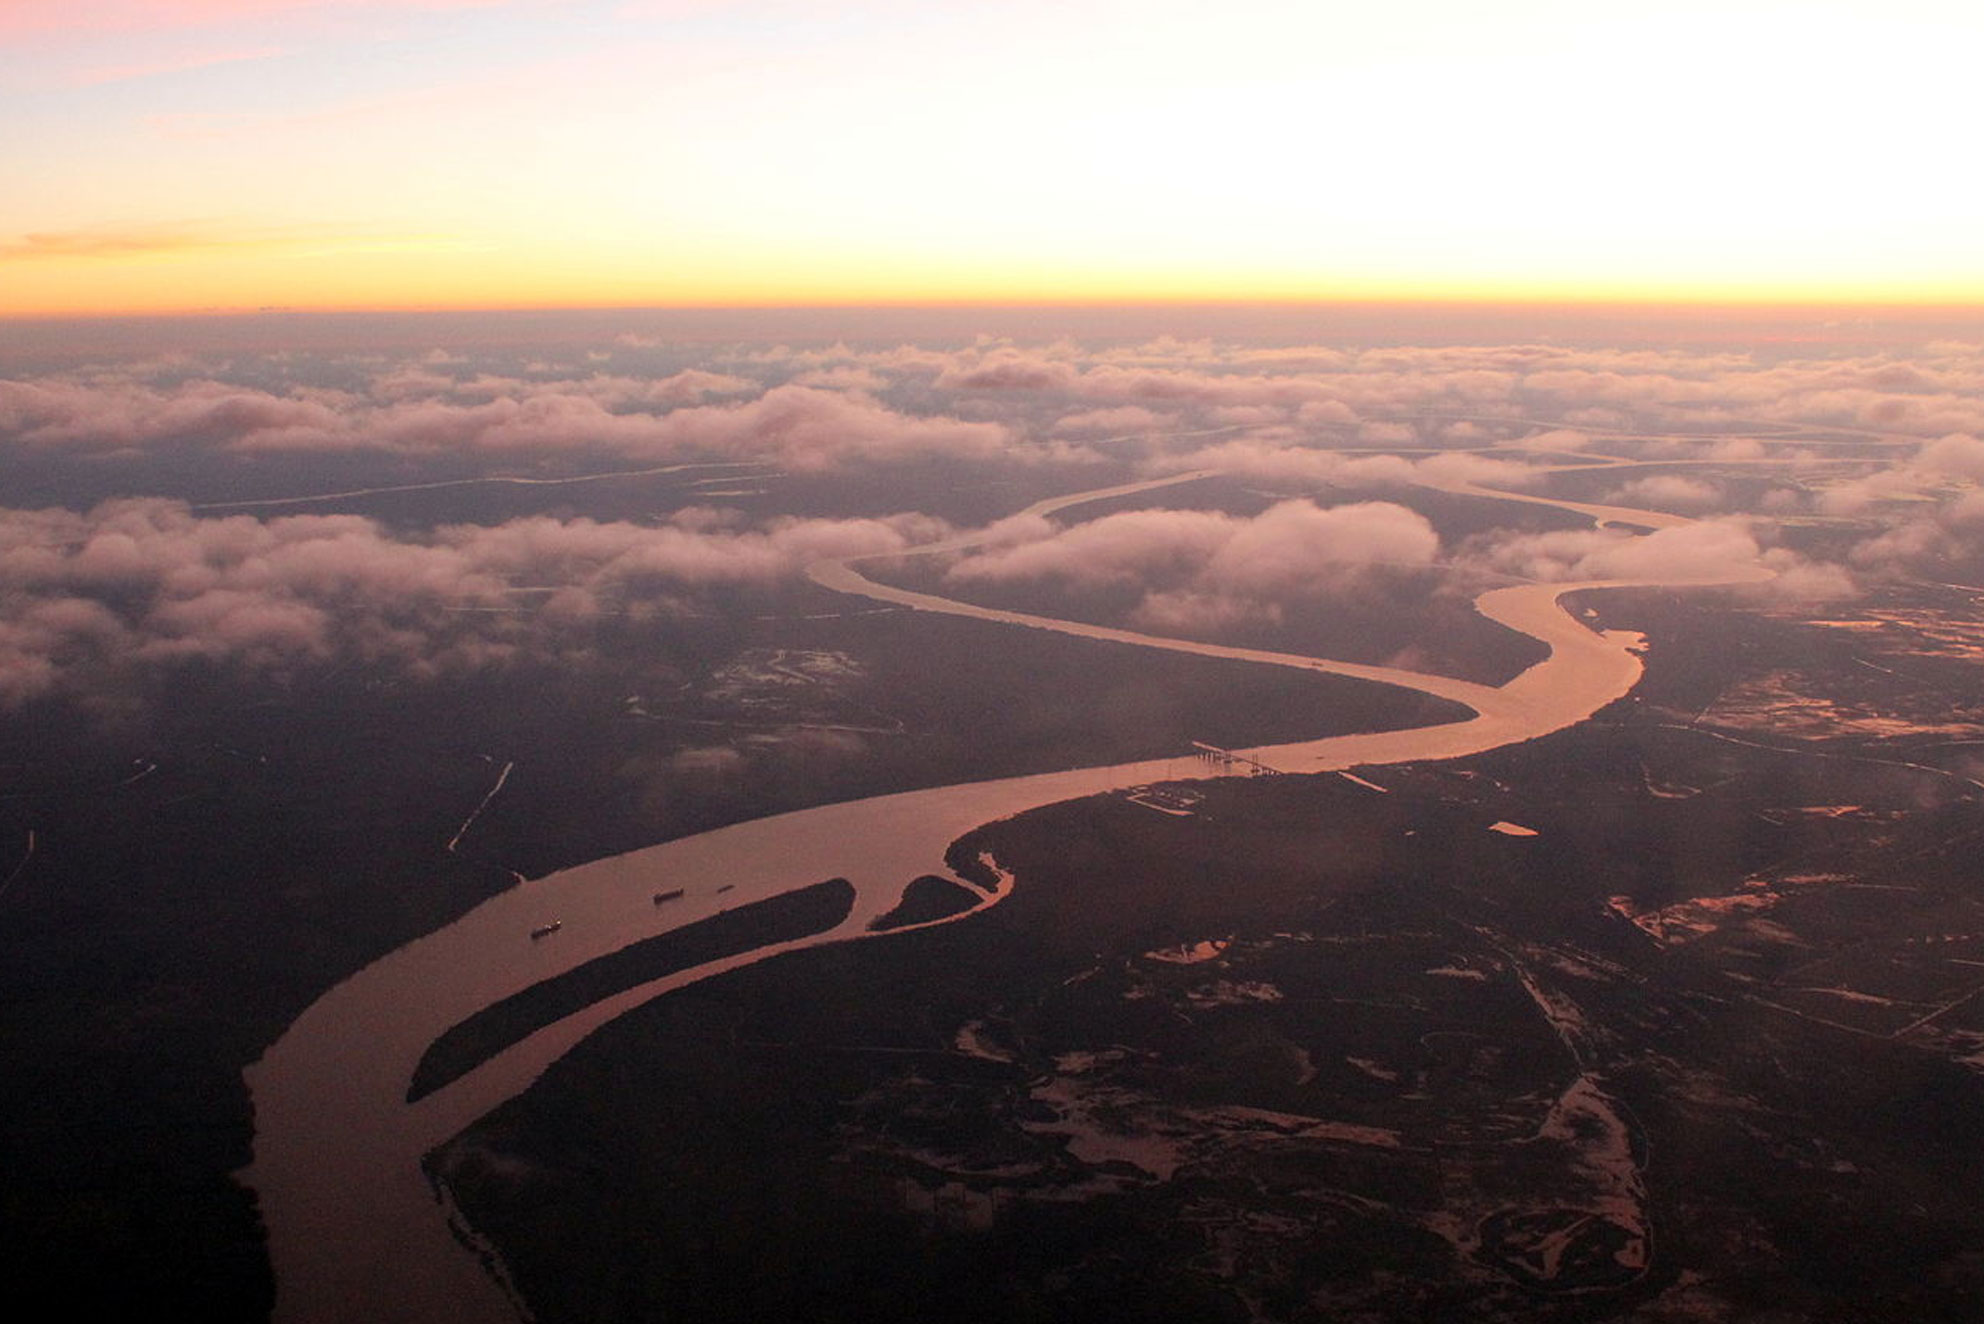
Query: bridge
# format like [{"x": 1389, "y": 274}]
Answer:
[{"x": 1232, "y": 761}]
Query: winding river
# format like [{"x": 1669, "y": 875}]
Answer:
[{"x": 355, "y": 1229}]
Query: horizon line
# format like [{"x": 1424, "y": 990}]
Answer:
[{"x": 1430, "y": 302}]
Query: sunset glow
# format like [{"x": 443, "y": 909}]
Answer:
[{"x": 237, "y": 154}]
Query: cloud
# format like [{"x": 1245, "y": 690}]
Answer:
[
  {"x": 182, "y": 236},
  {"x": 1906, "y": 546},
  {"x": 114, "y": 415},
  {"x": 1125, "y": 548},
  {"x": 1722, "y": 549},
  {"x": 1708, "y": 549},
  {"x": 616, "y": 393},
  {"x": 1675, "y": 492},
  {"x": 1247, "y": 415},
  {"x": 1555, "y": 439},
  {"x": 417, "y": 411},
  {"x": 1958, "y": 455},
  {"x": 1936, "y": 390},
  {"x": 1201, "y": 572},
  {"x": 1008, "y": 370},
  {"x": 1201, "y": 613},
  {"x": 1912, "y": 422},
  {"x": 1295, "y": 547},
  {"x": 1736, "y": 448},
  {"x": 1799, "y": 581},
  {"x": 1484, "y": 470},
  {"x": 1315, "y": 412},
  {"x": 1112, "y": 422},
  {"x": 90, "y": 597},
  {"x": 1927, "y": 541},
  {"x": 1268, "y": 459},
  {"x": 1967, "y": 511},
  {"x": 1858, "y": 495},
  {"x": 1931, "y": 469},
  {"x": 848, "y": 377},
  {"x": 810, "y": 429}
]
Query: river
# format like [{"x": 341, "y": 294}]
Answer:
[{"x": 355, "y": 1229}]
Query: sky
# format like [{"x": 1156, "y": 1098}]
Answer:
[{"x": 191, "y": 155}]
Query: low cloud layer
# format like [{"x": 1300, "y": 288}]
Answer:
[
  {"x": 142, "y": 583},
  {"x": 1933, "y": 389},
  {"x": 412, "y": 412},
  {"x": 1879, "y": 451}
]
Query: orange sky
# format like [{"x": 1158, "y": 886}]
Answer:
[{"x": 230, "y": 154}]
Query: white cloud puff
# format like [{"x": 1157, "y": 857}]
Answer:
[
  {"x": 1200, "y": 572},
  {"x": 1707, "y": 549},
  {"x": 1675, "y": 492},
  {"x": 89, "y": 595}
]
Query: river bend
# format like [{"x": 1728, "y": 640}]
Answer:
[{"x": 355, "y": 1229}]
